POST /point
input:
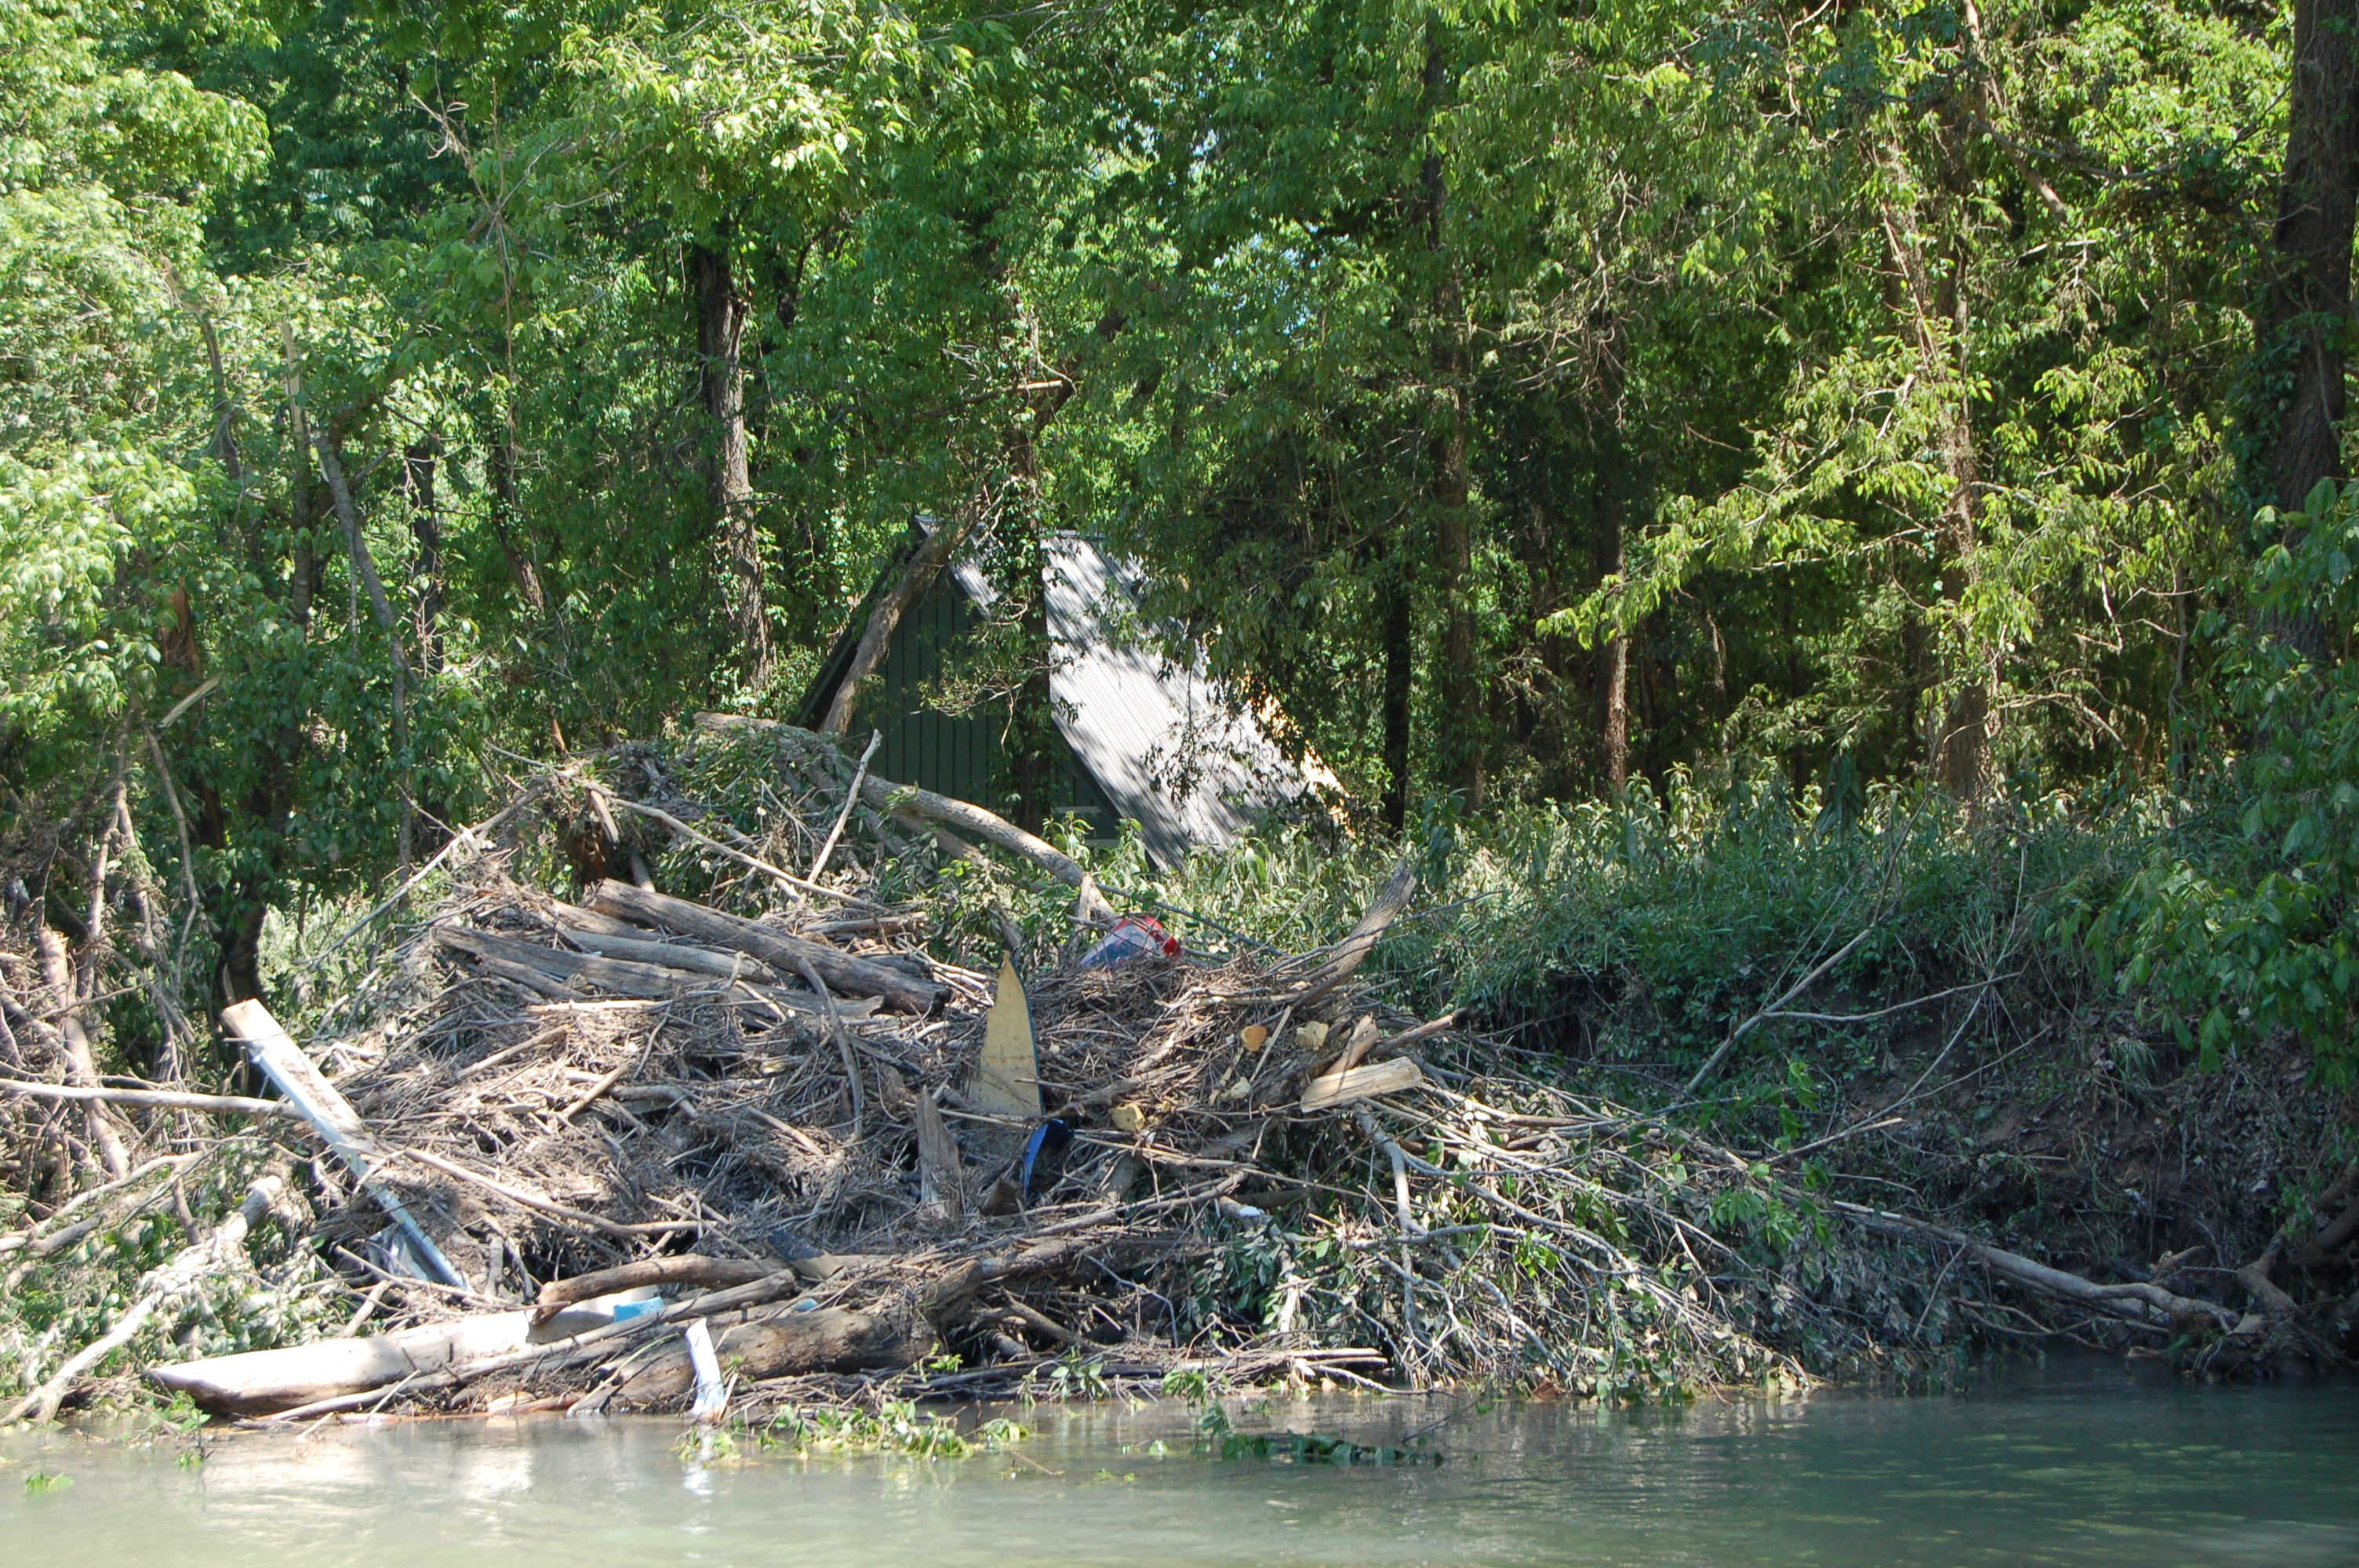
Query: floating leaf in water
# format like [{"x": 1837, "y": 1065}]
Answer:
[{"x": 40, "y": 1481}]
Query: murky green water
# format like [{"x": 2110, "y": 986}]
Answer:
[{"x": 2086, "y": 1469}]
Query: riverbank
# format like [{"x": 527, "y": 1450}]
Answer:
[{"x": 1692, "y": 1103}]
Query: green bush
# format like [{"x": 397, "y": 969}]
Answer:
[{"x": 2243, "y": 921}]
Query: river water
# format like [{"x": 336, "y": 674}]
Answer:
[{"x": 2090, "y": 1467}]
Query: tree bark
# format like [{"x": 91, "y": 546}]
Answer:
[
  {"x": 303, "y": 575},
  {"x": 508, "y": 509},
  {"x": 1613, "y": 655},
  {"x": 720, "y": 342},
  {"x": 1031, "y": 751},
  {"x": 1459, "y": 683},
  {"x": 429, "y": 593},
  {"x": 1396, "y": 628},
  {"x": 925, "y": 565},
  {"x": 829, "y": 1339},
  {"x": 81, "y": 1060},
  {"x": 2304, "y": 343}
]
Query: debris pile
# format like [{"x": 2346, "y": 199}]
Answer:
[{"x": 625, "y": 1150}]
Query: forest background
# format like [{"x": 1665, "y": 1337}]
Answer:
[{"x": 1630, "y": 427}]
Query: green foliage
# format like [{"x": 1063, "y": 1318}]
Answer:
[
  {"x": 1072, "y": 1376},
  {"x": 896, "y": 1427},
  {"x": 2246, "y": 919},
  {"x": 70, "y": 1298},
  {"x": 1847, "y": 377},
  {"x": 1312, "y": 1448}
]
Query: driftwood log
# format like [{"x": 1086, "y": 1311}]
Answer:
[
  {"x": 681, "y": 1269},
  {"x": 844, "y": 972},
  {"x": 622, "y": 977},
  {"x": 2144, "y": 1304},
  {"x": 826, "y": 1339},
  {"x": 687, "y": 1268},
  {"x": 260, "y": 1382},
  {"x": 639, "y": 949}
]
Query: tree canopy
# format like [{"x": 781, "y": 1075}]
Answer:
[{"x": 1531, "y": 402}]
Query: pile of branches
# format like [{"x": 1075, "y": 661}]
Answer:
[
  {"x": 632, "y": 1089},
  {"x": 762, "y": 1102}
]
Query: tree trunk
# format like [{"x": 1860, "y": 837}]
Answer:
[
  {"x": 1936, "y": 320},
  {"x": 68, "y": 999},
  {"x": 925, "y": 565},
  {"x": 1607, "y": 489},
  {"x": 429, "y": 594},
  {"x": 303, "y": 576},
  {"x": 1613, "y": 679},
  {"x": 1459, "y": 684},
  {"x": 720, "y": 342},
  {"x": 1396, "y": 627},
  {"x": 1031, "y": 748},
  {"x": 507, "y": 511},
  {"x": 2303, "y": 342}
]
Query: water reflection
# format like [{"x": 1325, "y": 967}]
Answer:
[{"x": 2066, "y": 1472}]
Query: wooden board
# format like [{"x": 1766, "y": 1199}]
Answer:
[
  {"x": 1007, "y": 1079},
  {"x": 1360, "y": 1083},
  {"x": 339, "y": 1126}
]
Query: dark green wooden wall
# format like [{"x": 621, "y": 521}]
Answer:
[{"x": 955, "y": 755}]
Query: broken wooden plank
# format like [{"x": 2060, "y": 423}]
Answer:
[
  {"x": 942, "y": 1172},
  {"x": 1006, "y": 1078},
  {"x": 281, "y": 1061},
  {"x": 1360, "y": 1083}
]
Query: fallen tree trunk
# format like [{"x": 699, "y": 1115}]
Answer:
[
  {"x": 260, "y": 1382},
  {"x": 330, "y": 1115},
  {"x": 827, "y": 1339},
  {"x": 843, "y": 972},
  {"x": 581, "y": 1350},
  {"x": 925, "y": 564},
  {"x": 681, "y": 1268},
  {"x": 992, "y": 828},
  {"x": 672, "y": 955},
  {"x": 1391, "y": 904},
  {"x": 2147, "y": 1305},
  {"x": 939, "y": 814},
  {"x": 621, "y": 976}
]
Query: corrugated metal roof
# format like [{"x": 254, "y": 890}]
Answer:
[{"x": 1160, "y": 738}]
